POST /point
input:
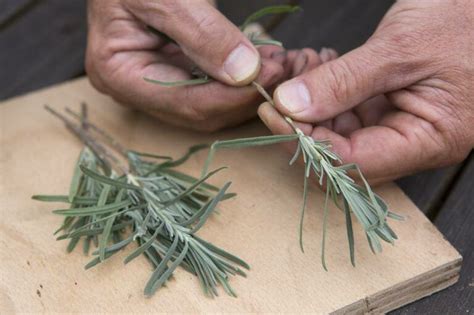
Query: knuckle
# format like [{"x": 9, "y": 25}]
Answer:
[
  {"x": 95, "y": 69},
  {"x": 443, "y": 149},
  {"x": 432, "y": 148},
  {"x": 341, "y": 80},
  {"x": 174, "y": 12},
  {"x": 458, "y": 145},
  {"x": 169, "y": 8},
  {"x": 164, "y": 13},
  {"x": 210, "y": 37},
  {"x": 457, "y": 135},
  {"x": 398, "y": 50}
]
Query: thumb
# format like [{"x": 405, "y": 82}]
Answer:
[
  {"x": 339, "y": 85},
  {"x": 207, "y": 37}
]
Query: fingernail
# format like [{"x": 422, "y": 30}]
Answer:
[
  {"x": 294, "y": 96},
  {"x": 242, "y": 63},
  {"x": 327, "y": 54},
  {"x": 300, "y": 64},
  {"x": 324, "y": 55}
]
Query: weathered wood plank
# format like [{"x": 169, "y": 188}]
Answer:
[
  {"x": 455, "y": 221},
  {"x": 44, "y": 46},
  {"x": 341, "y": 24},
  {"x": 429, "y": 189}
]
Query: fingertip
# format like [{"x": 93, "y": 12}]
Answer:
[
  {"x": 262, "y": 112},
  {"x": 276, "y": 122},
  {"x": 313, "y": 60},
  {"x": 300, "y": 64},
  {"x": 242, "y": 65},
  {"x": 327, "y": 54},
  {"x": 293, "y": 99},
  {"x": 310, "y": 61},
  {"x": 273, "y": 119}
]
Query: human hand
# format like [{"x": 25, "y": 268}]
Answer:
[
  {"x": 400, "y": 103},
  {"x": 121, "y": 51}
]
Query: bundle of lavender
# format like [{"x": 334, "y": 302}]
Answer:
[{"x": 147, "y": 202}]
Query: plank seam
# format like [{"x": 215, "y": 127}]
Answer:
[
  {"x": 18, "y": 13},
  {"x": 435, "y": 210}
]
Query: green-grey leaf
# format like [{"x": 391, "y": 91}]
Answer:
[
  {"x": 117, "y": 246},
  {"x": 95, "y": 209},
  {"x": 187, "y": 178},
  {"x": 76, "y": 177},
  {"x": 107, "y": 180},
  {"x": 325, "y": 221},
  {"x": 168, "y": 272},
  {"x": 192, "y": 150},
  {"x": 65, "y": 199},
  {"x": 275, "y": 9},
  {"x": 97, "y": 260},
  {"x": 210, "y": 208},
  {"x": 223, "y": 253},
  {"x": 350, "y": 232},
  {"x": 303, "y": 207},
  {"x": 395, "y": 216},
  {"x": 141, "y": 249},
  {"x": 192, "y": 187},
  {"x": 197, "y": 81},
  {"x": 245, "y": 142},
  {"x": 161, "y": 267},
  {"x": 72, "y": 244},
  {"x": 150, "y": 155},
  {"x": 263, "y": 41}
]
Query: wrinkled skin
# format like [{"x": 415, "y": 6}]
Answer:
[
  {"x": 121, "y": 51},
  {"x": 400, "y": 103}
]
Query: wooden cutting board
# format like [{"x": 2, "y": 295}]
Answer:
[{"x": 37, "y": 155}]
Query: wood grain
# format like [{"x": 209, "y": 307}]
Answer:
[{"x": 260, "y": 225}]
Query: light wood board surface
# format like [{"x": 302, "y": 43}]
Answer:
[{"x": 260, "y": 225}]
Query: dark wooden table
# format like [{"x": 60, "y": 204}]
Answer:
[{"x": 42, "y": 42}]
